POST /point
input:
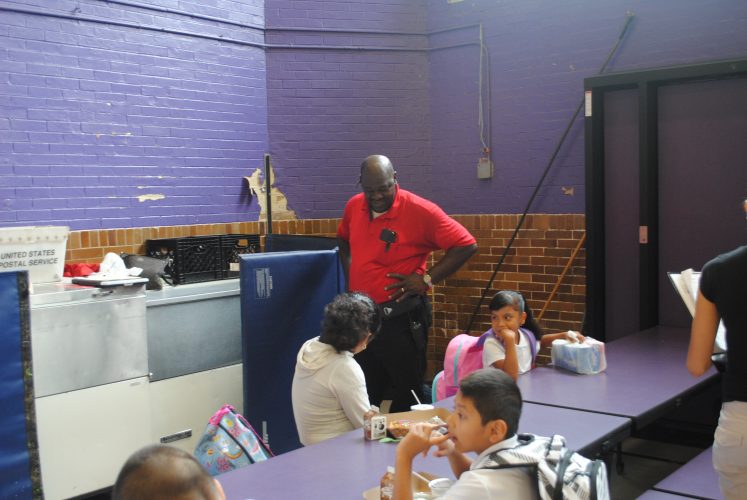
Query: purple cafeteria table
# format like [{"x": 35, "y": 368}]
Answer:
[
  {"x": 696, "y": 478},
  {"x": 645, "y": 377},
  {"x": 659, "y": 495},
  {"x": 346, "y": 466}
]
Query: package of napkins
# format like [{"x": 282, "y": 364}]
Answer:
[{"x": 586, "y": 357}]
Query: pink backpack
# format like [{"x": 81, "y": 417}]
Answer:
[{"x": 463, "y": 356}]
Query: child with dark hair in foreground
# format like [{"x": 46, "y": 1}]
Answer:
[
  {"x": 485, "y": 420},
  {"x": 165, "y": 472}
]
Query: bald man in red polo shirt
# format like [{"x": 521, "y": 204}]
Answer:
[{"x": 386, "y": 236}]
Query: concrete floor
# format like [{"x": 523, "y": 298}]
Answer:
[{"x": 646, "y": 462}]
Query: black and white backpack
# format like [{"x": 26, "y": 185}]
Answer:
[{"x": 561, "y": 473}]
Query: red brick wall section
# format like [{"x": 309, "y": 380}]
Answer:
[{"x": 539, "y": 254}]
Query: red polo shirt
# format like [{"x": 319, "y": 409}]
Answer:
[{"x": 421, "y": 228}]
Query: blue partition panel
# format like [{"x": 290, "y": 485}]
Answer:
[
  {"x": 282, "y": 302},
  {"x": 17, "y": 443}
]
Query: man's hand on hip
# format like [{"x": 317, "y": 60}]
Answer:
[{"x": 406, "y": 286}]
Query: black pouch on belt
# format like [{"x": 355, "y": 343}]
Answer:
[
  {"x": 420, "y": 321},
  {"x": 392, "y": 309},
  {"x": 418, "y": 331}
]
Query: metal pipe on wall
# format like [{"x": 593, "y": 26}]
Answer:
[
  {"x": 268, "y": 193},
  {"x": 259, "y": 45}
]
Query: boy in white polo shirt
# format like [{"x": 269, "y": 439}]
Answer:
[{"x": 485, "y": 419}]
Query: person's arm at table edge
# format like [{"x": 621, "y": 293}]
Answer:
[
  {"x": 418, "y": 440},
  {"x": 702, "y": 336},
  {"x": 548, "y": 338}
]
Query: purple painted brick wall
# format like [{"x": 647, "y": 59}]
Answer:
[
  {"x": 95, "y": 115},
  {"x": 540, "y": 53},
  {"x": 329, "y": 109}
]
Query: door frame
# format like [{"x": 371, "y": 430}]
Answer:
[{"x": 647, "y": 83}]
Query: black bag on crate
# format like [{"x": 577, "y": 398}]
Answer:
[{"x": 154, "y": 269}]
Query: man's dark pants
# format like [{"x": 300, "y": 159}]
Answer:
[{"x": 395, "y": 358}]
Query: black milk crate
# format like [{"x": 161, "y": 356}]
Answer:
[
  {"x": 233, "y": 245},
  {"x": 191, "y": 259}
]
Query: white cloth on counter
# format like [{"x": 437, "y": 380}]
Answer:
[{"x": 114, "y": 266}]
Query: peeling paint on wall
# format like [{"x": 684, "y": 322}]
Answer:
[
  {"x": 151, "y": 197},
  {"x": 280, "y": 209}
]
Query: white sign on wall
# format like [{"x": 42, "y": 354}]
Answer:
[{"x": 38, "y": 249}]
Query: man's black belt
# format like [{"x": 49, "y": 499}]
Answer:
[{"x": 392, "y": 309}]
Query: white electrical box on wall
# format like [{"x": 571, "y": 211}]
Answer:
[{"x": 484, "y": 168}]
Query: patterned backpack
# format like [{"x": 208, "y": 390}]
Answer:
[
  {"x": 229, "y": 442},
  {"x": 560, "y": 473}
]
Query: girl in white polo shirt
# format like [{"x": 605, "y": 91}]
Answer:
[{"x": 512, "y": 347}]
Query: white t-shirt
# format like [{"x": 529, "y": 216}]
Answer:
[
  {"x": 491, "y": 483},
  {"x": 493, "y": 351}
]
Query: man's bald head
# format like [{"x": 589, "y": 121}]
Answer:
[
  {"x": 378, "y": 181},
  {"x": 377, "y": 164},
  {"x": 166, "y": 472}
]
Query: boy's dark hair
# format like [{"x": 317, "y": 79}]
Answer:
[
  {"x": 495, "y": 396},
  {"x": 160, "y": 471},
  {"x": 517, "y": 301},
  {"x": 348, "y": 319}
]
